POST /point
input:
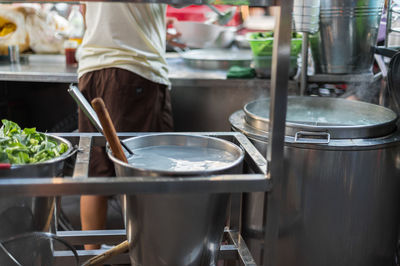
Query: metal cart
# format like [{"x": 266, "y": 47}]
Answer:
[{"x": 263, "y": 180}]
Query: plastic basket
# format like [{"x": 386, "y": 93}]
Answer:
[{"x": 261, "y": 43}]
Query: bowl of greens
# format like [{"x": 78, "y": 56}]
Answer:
[{"x": 29, "y": 153}]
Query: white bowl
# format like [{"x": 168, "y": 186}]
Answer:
[{"x": 198, "y": 34}]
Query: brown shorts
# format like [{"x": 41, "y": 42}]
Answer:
[{"x": 135, "y": 104}]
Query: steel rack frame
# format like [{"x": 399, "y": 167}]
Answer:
[
  {"x": 234, "y": 246},
  {"x": 233, "y": 249},
  {"x": 230, "y": 183}
]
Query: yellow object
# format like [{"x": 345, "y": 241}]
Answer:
[
  {"x": 77, "y": 40},
  {"x": 6, "y": 27}
]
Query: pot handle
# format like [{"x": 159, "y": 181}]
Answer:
[{"x": 312, "y": 137}]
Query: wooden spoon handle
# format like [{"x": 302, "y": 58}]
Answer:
[
  {"x": 101, "y": 258},
  {"x": 108, "y": 129}
]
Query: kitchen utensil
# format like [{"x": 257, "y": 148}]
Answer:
[
  {"x": 340, "y": 186},
  {"x": 116, "y": 148},
  {"x": 108, "y": 129},
  {"x": 216, "y": 58},
  {"x": 198, "y": 34},
  {"x": 182, "y": 229},
  {"x": 89, "y": 112},
  {"x": 223, "y": 17},
  {"x": 203, "y": 35},
  {"x": 30, "y": 214},
  {"x": 101, "y": 258}
]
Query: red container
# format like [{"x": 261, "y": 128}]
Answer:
[
  {"x": 198, "y": 13},
  {"x": 70, "y": 56}
]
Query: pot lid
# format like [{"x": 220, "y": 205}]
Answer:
[{"x": 326, "y": 118}]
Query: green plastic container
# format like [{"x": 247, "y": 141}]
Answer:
[
  {"x": 262, "y": 66},
  {"x": 261, "y": 43}
]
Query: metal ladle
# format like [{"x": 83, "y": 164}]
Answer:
[
  {"x": 223, "y": 18},
  {"x": 89, "y": 112}
]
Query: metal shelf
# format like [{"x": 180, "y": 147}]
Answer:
[
  {"x": 234, "y": 249},
  {"x": 171, "y": 2},
  {"x": 274, "y": 156},
  {"x": 341, "y": 78},
  {"x": 79, "y": 184}
]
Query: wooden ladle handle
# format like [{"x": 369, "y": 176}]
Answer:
[
  {"x": 108, "y": 129},
  {"x": 100, "y": 259}
]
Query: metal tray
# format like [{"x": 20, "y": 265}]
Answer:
[{"x": 217, "y": 58}]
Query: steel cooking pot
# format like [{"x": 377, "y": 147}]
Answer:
[
  {"x": 340, "y": 203},
  {"x": 182, "y": 229}
]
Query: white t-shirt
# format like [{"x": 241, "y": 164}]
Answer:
[{"x": 128, "y": 36}]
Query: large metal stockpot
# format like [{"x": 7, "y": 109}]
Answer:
[
  {"x": 177, "y": 229},
  {"x": 340, "y": 203},
  {"x": 19, "y": 215}
]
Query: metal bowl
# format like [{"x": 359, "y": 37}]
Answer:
[
  {"x": 50, "y": 168},
  {"x": 217, "y": 58},
  {"x": 203, "y": 35},
  {"x": 197, "y": 34},
  {"x": 20, "y": 215}
]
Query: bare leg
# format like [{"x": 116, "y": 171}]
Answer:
[{"x": 93, "y": 215}]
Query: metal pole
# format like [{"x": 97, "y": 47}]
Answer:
[
  {"x": 388, "y": 21},
  {"x": 278, "y": 102},
  {"x": 304, "y": 64}
]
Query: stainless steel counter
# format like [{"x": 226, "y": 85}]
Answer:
[
  {"x": 39, "y": 68},
  {"x": 52, "y": 68},
  {"x": 202, "y": 100}
]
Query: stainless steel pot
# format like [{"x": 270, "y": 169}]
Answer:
[
  {"x": 176, "y": 229},
  {"x": 19, "y": 215},
  {"x": 341, "y": 194},
  {"x": 348, "y": 30}
]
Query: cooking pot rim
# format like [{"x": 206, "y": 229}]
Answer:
[
  {"x": 337, "y": 131},
  {"x": 232, "y": 164}
]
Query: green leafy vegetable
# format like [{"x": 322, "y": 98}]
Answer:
[{"x": 26, "y": 146}]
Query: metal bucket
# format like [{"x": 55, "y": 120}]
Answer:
[
  {"x": 176, "y": 229},
  {"x": 20, "y": 215},
  {"x": 340, "y": 203},
  {"x": 348, "y": 31}
]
